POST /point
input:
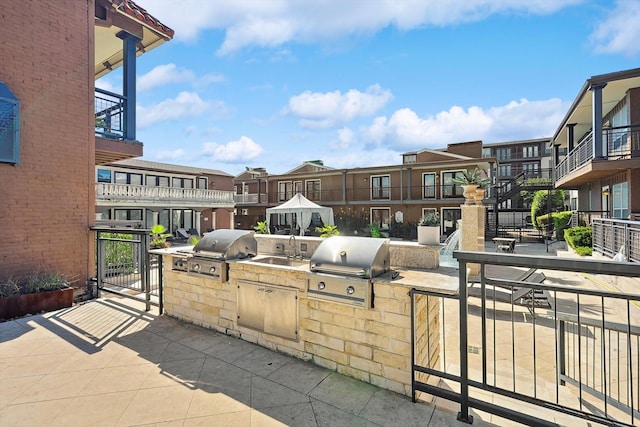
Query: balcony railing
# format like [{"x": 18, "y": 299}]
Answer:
[
  {"x": 363, "y": 194},
  {"x": 616, "y": 236},
  {"x": 561, "y": 346},
  {"x": 110, "y": 114},
  {"x": 250, "y": 198},
  {"x": 143, "y": 193},
  {"x": 618, "y": 143}
]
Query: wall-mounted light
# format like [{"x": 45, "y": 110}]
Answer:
[{"x": 606, "y": 193}]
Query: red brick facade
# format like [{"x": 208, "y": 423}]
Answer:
[{"x": 47, "y": 200}]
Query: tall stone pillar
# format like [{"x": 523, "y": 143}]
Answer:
[{"x": 472, "y": 232}]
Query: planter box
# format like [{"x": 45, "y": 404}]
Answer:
[
  {"x": 428, "y": 235},
  {"x": 19, "y": 305}
]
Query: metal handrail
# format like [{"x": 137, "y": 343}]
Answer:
[{"x": 593, "y": 351}]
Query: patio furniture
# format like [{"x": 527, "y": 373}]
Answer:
[{"x": 518, "y": 293}]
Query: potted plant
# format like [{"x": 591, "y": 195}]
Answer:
[
  {"x": 159, "y": 237},
  {"x": 429, "y": 229},
  {"x": 34, "y": 294},
  {"x": 328, "y": 230},
  {"x": 471, "y": 181},
  {"x": 261, "y": 227}
]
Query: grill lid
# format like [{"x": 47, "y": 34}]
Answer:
[
  {"x": 227, "y": 244},
  {"x": 351, "y": 256}
]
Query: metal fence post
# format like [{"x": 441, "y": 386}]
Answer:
[
  {"x": 101, "y": 264},
  {"x": 463, "y": 415},
  {"x": 561, "y": 349}
]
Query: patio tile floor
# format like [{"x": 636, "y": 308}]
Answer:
[{"x": 108, "y": 363}]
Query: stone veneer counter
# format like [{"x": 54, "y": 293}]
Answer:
[{"x": 371, "y": 344}]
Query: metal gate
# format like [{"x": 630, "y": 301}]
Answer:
[{"x": 124, "y": 265}]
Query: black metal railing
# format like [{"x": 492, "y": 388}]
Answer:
[
  {"x": 110, "y": 114},
  {"x": 611, "y": 237},
  {"x": 125, "y": 266},
  {"x": 621, "y": 142},
  {"x": 562, "y": 347}
]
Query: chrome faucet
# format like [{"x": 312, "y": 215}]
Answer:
[{"x": 294, "y": 252}]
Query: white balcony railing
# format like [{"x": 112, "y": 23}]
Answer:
[
  {"x": 142, "y": 193},
  {"x": 250, "y": 198}
]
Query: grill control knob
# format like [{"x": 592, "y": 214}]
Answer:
[
  {"x": 212, "y": 270},
  {"x": 196, "y": 267},
  {"x": 321, "y": 285},
  {"x": 350, "y": 290}
]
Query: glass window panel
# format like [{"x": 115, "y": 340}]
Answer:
[
  {"x": 135, "y": 179},
  {"x": 121, "y": 178},
  {"x": 104, "y": 175}
]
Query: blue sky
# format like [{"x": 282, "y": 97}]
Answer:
[{"x": 272, "y": 83}]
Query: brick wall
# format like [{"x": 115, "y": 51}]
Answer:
[{"x": 46, "y": 201}]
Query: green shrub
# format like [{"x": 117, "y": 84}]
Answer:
[
  {"x": 261, "y": 227},
  {"x": 578, "y": 236},
  {"x": 539, "y": 206},
  {"x": 584, "y": 250},
  {"x": 560, "y": 221},
  {"x": 328, "y": 231}
]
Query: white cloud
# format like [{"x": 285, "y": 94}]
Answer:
[
  {"x": 162, "y": 75},
  {"x": 619, "y": 31},
  {"x": 274, "y": 23},
  {"x": 517, "y": 120},
  {"x": 234, "y": 151},
  {"x": 319, "y": 110},
  {"x": 346, "y": 138},
  {"x": 170, "y": 154},
  {"x": 186, "y": 104},
  {"x": 105, "y": 84}
]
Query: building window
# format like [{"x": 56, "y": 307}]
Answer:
[
  {"x": 182, "y": 182},
  {"x": 9, "y": 126},
  {"x": 128, "y": 214},
  {"x": 202, "y": 183},
  {"x": 429, "y": 185},
  {"x": 380, "y": 187},
  {"x": 313, "y": 189},
  {"x": 381, "y": 217},
  {"x": 450, "y": 189},
  {"x": 504, "y": 171},
  {"x": 531, "y": 168},
  {"x": 182, "y": 218},
  {"x": 621, "y": 200},
  {"x": 128, "y": 178},
  {"x": 530, "y": 151},
  {"x": 297, "y": 187},
  {"x": 104, "y": 175},
  {"x": 410, "y": 159},
  {"x": 503, "y": 153},
  {"x": 157, "y": 181},
  {"x": 285, "y": 191},
  {"x": 486, "y": 152}
]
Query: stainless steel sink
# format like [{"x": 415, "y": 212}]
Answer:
[{"x": 274, "y": 260}]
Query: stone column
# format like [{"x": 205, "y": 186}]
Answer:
[{"x": 472, "y": 232}]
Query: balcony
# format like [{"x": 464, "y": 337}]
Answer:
[
  {"x": 112, "y": 140},
  {"x": 621, "y": 150},
  {"x": 141, "y": 195},
  {"x": 250, "y": 199}
]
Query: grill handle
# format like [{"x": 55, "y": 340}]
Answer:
[{"x": 360, "y": 273}]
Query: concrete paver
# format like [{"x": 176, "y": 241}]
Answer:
[{"x": 108, "y": 363}]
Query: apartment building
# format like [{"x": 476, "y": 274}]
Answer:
[
  {"x": 377, "y": 195},
  {"x": 601, "y": 136},
  {"x": 143, "y": 193},
  {"x": 55, "y": 127}
]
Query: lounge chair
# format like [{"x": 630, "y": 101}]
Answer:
[{"x": 518, "y": 293}]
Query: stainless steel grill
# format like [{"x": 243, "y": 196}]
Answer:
[
  {"x": 210, "y": 255},
  {"x": 342, "y": 267}
]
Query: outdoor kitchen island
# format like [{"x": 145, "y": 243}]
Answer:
[{"x": 269, "y": 299}]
